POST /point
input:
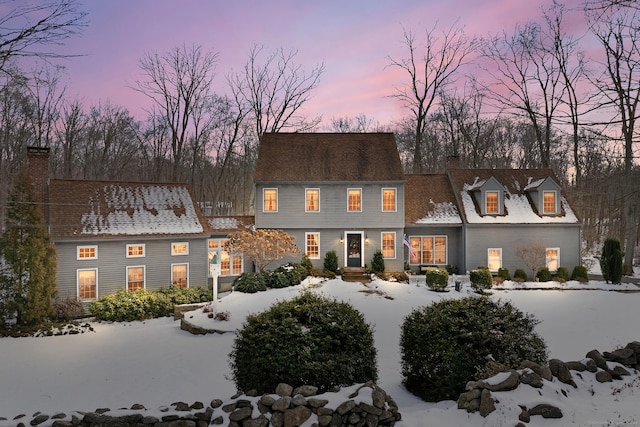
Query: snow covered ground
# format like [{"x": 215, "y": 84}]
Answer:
[{"x": 154, "y": 363}]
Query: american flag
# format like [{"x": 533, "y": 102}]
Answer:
[{"x": 407, "y": 243}]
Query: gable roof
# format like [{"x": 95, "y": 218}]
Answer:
[
  {"x": 429, "y": 199},
  {"x": 88, "y": 209},
  {"x": 518, "y": 206},
  {"x": 226, "y": 224},
  {"x": 328, "y": 157}
]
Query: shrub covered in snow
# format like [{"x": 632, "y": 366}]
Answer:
[
  {"x": 481, "y": 279},
  {"x": 307, "y": 340},
  {"x": 443, "y": 345},
  {"x": 436, "y": 278},
  {"x": 249, "y": 283}
]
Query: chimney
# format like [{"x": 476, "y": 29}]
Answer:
[
  {"x": 453, "y": 162},
  {"x": 38, "y": 172}
]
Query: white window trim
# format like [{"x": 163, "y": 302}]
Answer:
[
  {"x": 349, "y": 210},
  {"x": 219, "y": 249},
  {"x": 497, "y": 211},
  {"x": 144, "y": 250},
  {"x": 86, "y": 246},
  {"x": 494, "y": 249},
  {"x": 173, "y": 253},
  {"x": 382, "y": 233},
  {"x": 264, "y": 190},
  {"x": 395, "y": 199},
  {"x": 306, "y": 248},
  {"x": 434, "y": 236},
  {"x": 555, "y": 202},
  {"x": 171, "y": 273},
  {"x": 144, "y": 275},
  {"x": 78, "y": 283},
  {"x": 546, "y": 260},
  {"x": 305, "y": 200}
]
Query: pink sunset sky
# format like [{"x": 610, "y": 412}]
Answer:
[{"x": 354, "y": 39}]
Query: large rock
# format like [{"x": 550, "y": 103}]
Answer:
[
  {"x": 284, "y": 389},
  {"x": 624, "y": 356},
  {"x": 487, "y": 405},
  {"x": 470, "y": 400},
  {"x": 601, "y": 362},
  {"x": 546, "y": 410},
  {"x": 603, "y": 377},
  {"x": 297, "y": 416},
  {"x": 504, "y": 381},
  {"x": 531, "y": 378},
  {"x": 560, "y": 371},
  {"x": 541, "y": 370}
]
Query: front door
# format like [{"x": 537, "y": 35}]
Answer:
[{"x": 354, "y": 250}]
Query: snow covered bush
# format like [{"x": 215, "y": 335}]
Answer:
[
  {"x": 180, "y": 295},
  {"x": 519, "y": 275},
  {"x": 307, "y": 340},
  {"x": 436, "y": 278},
  {"x": 481, "y": 279},
  {"x": 249, "y": 283},
  {"x": 443, "y": 345}
]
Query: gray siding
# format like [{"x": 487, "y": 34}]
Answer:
[
  {"x": 455, "y": 253},
  {"x": 112, "y": 263},
  {"x": 479, "y": 238},
  {"x": 333, "y": 220}
]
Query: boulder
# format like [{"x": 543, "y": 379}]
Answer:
[
  {"x": 624, "y": 356},
  {"x": 560, "y": 371},
  {"x": 296, "y": 416},
  {"x": 487, "y": 405},
  {"x": 470, "y": 400},
  {"x": 603, "y": 377},
  {"x": 504, "y": 381},
  {"x": 601, "y": 362},
  {"x": 531, "y": 378},
  {"x": 541, "y": 370},
  {"x": 524, "y": 416},
  {"x": 546, "y": 410},
  {"x": 284, "y": 389},
  {"x": 575, "y": 366},
  {"x": 306, "y": 390}
]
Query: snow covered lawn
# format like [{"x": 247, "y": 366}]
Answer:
[{"x": 154, "y": 363}]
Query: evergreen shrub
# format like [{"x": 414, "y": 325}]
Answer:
[
  {"x": 443, "y": 345},
  {"x": 562, "y": 275},
  {"x": 306, "y": 264},
  {"x": 543, "y": 275},
  {"x": 504, "y": 274},
  {"x": 611, "y": 261},
  {"x": 436, "y": 278},
  {"x": 520, "y": 275},
  {"x": 249, "y": 283},
  {"x": 178, "y": 295},
  {"x": 125, "y": 306},
  {"x": 307, "y": 340},
  {"x": 481, "y": 279},
  {"x": 377, "y": 262},
  {"x": 579, "y": 273},
  {"x": 331, "y": 262}
]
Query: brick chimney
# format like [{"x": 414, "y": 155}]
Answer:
[{"x": 38, "y": 172}]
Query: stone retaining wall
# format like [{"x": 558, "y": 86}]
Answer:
[{"x": 367, "y": 405}]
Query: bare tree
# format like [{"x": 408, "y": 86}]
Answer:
[
  {"x": 359, "y": 123},
  {"x": 275, "y": 90},
  {"x": 618, "y": 30},
  {"x": 178, "y": 83},
  {"x": 525, "y": 79},
  {"x": 533, "y": 255},
  {"x": 429, "y": 75},
  {"x": 30, "y": 30},
  {"x": 72, "y": 132}
]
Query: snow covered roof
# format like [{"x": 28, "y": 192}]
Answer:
[
  {"x": 429, "y": 199},
  {"x": 89, "y": 209},
  {"x": 229, "y": 223},
  {"x": 518, "y": 208}
]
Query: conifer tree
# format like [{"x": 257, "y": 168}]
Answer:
[{"x": 28, "y": 275}]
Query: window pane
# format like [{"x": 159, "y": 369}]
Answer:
[
  {"x": 135, "y": 278},
  {"x": 86, "y": 284},
  {"x": 135, "y": 250},
  {"x": 389, "y": 245},
  {"x": 87, "y": 252},
  {"x": 491, "y": 202},
  {"x": 441, "y": 250},
  {"x": 389, "y": 199},
  {"x": 553, "y": 259},
  {"x": 180, "y": 248},
  {"x": 270, "y": 200},
  {"x": 354, "y": 200},
  {"x": 494, "y": 259},
  {"x": 225, "y": 263},
  {"x": 427, "y": 250},
  {"x": 313, "y": 203},
  {"x": 237, "y": 265},
  {"x": 179, "y": 275},
  {"x": 415, "y": 245},
  {"x": 549, "y": 204},
  {"x": 313, "y": 245}
]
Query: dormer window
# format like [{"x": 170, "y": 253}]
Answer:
[
  {"x": 491, "y": 205},
  {"x": 549, "y": 202}
]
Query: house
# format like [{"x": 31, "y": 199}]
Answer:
[
  {"x": 347, "y": 193},
  {"x": 341, "y": 192},
  {"x": 112, "y": 235}
]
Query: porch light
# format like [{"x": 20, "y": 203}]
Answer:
[
  {"x": 366, "y": 238},
  {"x": 341, "y": 239}
]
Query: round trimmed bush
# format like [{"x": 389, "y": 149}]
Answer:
[
  {"x": 307, "y": 340},
  {"x": 249, "y": 283},
  {"x": 436, "y": 278},
  {"x": 481, "y": 279},
  {"x": 443, "y": 345},
  {"x": 543, "y": 275},
  {"x": 519, "y": 275},
  {"x": 504, "y": 274},
  {"x": 562, "y": 275},
  {"x": 580, "y": 274}
]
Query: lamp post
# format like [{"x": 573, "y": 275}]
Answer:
[{"x": 214, "y": 270}]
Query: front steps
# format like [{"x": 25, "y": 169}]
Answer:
[{"x": 354, "y": 274}]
